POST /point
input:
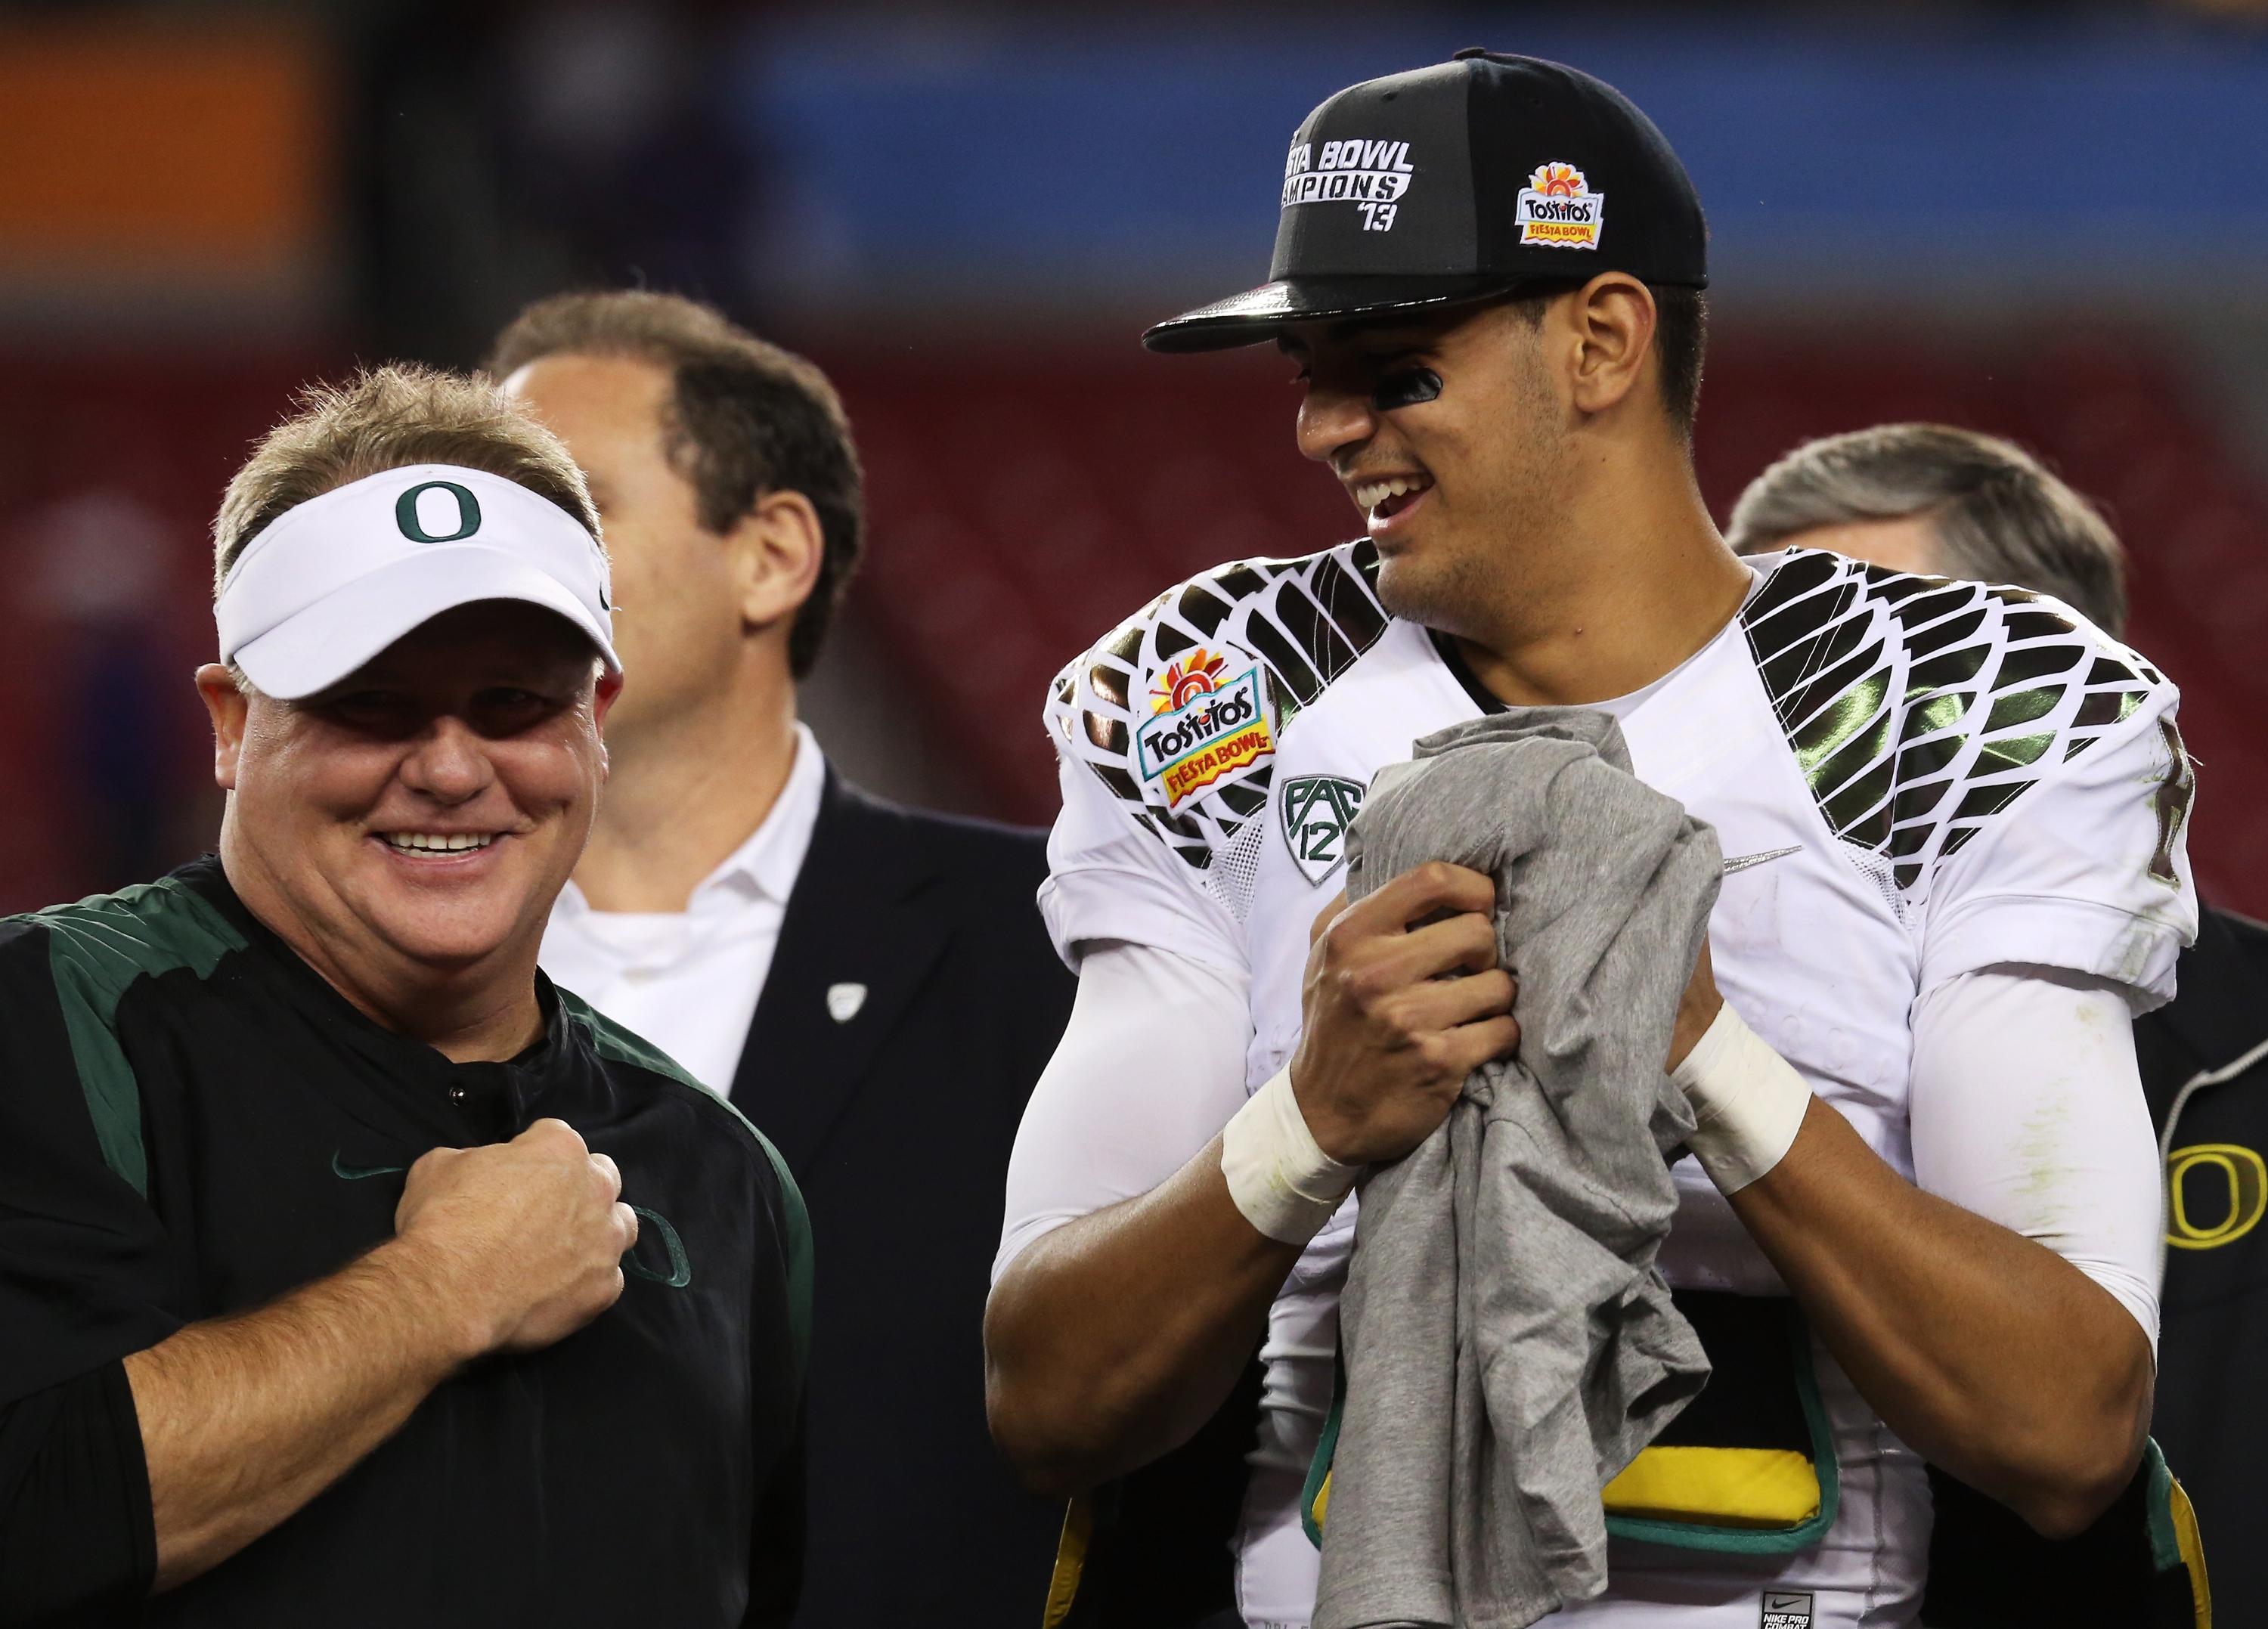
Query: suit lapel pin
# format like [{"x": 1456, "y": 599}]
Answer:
[{"x": 844, "y": 1000}]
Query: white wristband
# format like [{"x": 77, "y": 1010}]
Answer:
[
  {"x": 1280, "y": 1179},
  {"x": 1748, "y": 1102}
]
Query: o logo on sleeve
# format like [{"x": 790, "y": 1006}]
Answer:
[
  {"x": 2230, "y": 1187},
  {"x": 406, "y": 512}
]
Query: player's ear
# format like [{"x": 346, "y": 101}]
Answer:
[
  {"x": 1609, "y": 336},
  {"x": 226, "y": 705},
  {"x": 776, "y": 549}
]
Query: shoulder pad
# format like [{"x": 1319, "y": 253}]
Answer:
[
  {"x": 1920, "y": 708},
  {"x": 1177, "y": 711}
]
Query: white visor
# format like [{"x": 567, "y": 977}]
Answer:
[{"x": 335, "y": 581}]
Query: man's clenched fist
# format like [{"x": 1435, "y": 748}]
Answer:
[
  {"x": 524, "y": 1240},
  {"x": 1403, "y": 1000}
]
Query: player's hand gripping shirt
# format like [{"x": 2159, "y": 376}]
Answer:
[{"x": 1912, "y": 780}]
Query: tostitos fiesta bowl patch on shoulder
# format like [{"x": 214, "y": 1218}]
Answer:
[{"x": 1205, "y": 727}]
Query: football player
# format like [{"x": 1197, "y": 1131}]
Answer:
[{"x": 1952, "y": 818}]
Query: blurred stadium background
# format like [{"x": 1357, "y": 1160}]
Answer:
[{"x": 2047, "y": 222}]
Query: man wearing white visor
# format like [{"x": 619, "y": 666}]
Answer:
[{"x": 349, "y": 1272}]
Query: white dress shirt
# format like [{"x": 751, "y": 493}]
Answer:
[{"x": 688, "y": 980}]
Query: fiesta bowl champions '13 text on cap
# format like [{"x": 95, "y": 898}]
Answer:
[
  {"x": 1456, "y": 182},
  {"x": 332, "y": 583}
]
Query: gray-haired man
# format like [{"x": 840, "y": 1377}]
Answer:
[{"x": 1941, "y": 502}]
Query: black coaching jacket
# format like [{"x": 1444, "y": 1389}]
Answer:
[
  {"x": 193, "y": 1121},
  {"x": 912, "y": 1002},
  {"x": 2204, "y": 1064}
]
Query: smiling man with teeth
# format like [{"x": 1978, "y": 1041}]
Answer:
[
  {"x": 434, "y": 842},
  {"x": 350, "y": 1272},
  {"x": 1955, "y": 816}
]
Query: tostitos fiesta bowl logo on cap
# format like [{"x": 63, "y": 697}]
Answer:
[
  {"x": 1559, "y": 211},
  {"x": 1203, "y": 727}
]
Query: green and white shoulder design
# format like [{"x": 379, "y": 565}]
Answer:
[
  {"x": 1920, "y": 709},
  {"x": 100, "y": 948},
  {"x": 1178, "y": 711}
]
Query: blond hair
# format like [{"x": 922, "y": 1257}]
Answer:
[{"x": 390, "y": 418}]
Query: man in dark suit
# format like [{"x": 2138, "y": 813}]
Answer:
[{"x": 869, "y": 985}]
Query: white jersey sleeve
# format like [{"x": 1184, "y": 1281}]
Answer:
[
  {"x": 1167, "y": 731},
  {"x": 1110, "y": 878},
  {"x": 1149, "y": 1069},
  {"x": 2027, "y": 1111},
  {"x": 2087, "y": 867}
]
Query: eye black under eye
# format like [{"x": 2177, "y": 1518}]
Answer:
[{"x": 1405, "y": 387}]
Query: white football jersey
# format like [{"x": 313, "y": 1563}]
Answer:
[{"x": 1910, "y": 778}]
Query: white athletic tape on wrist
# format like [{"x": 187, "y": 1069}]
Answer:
[
  {"x": 1280, "y": 1179},
  {"x": 1748, "y": 1101}
]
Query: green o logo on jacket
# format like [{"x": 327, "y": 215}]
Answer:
[{"x": 468, "y": 514}]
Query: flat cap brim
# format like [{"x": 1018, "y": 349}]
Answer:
[{"x": 1261, "y": 313}]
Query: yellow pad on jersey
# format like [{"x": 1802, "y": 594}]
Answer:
[
  {"x": 1744, "y": 1488},
  {"x": 1749, "y": 1467}
]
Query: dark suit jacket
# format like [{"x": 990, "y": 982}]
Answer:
[{"x": 896, "y": 1121}]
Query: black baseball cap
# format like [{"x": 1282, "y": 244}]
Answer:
[{"x": 1456, "y": 182}]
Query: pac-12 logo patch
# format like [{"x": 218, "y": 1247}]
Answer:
[
  {"x": 1205, "y": 728},
  {"x": 1785, "y": 1610},
  {"x": 1316, "y": 811},
  {"x": 1559, "y": 211}
]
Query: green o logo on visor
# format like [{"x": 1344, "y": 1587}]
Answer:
[{"x": 468, "y": 514}]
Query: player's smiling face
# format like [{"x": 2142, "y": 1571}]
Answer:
[
  {"x": 1453, "y": 481},
  {"x": 426, "y": 809}
]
